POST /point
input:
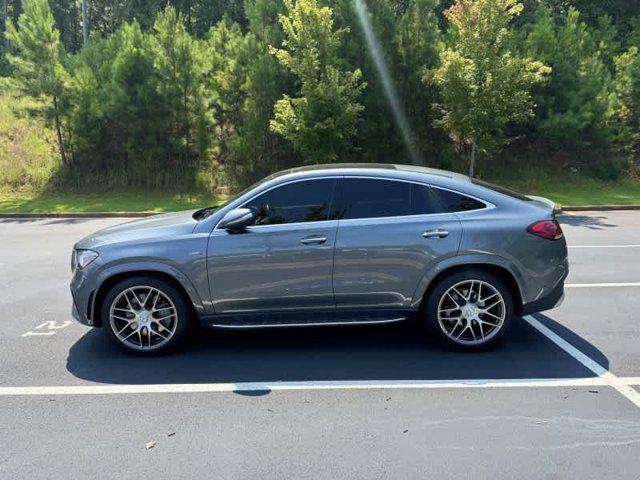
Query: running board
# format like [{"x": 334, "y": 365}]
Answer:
[{"x": 300, "y": 319}]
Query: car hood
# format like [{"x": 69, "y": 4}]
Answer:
[{"x": 156, "y": 226}]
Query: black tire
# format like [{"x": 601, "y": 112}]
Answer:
[
  {"x": 182, "y": 310},
  {"x": 436, "y": 328}
]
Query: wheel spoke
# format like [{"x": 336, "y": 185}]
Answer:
[
  {"x": 462, "y": 331},
  {"x": 159, "y": 334},
  {"x": 493, "y": 305},
  {"x": 489, "y": 323},
  {"x": 482, "y": 300},
  {"x": 454, "y": 300},
  {"x": 491, "y": 314}
]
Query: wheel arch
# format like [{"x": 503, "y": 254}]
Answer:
[
  {"x": 502, "y": 272},
  {"x": 111, "y": 279}
]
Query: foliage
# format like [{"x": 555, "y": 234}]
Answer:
[
  {"x": 572, "y": 106},
  {"x": 321, "y": 120},
  {"x": 626, "y": 103},
  {"x": 38, "y": 66},
  {"x": 485, "y": 86},
  {"x": 196, "y": 94}
]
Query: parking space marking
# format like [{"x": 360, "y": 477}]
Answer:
[
  {"x": 601, "y": 285},
  {"x": 611, "y": 380},
  {"x": 51, "y": 328},
  {"x": 303, "y": 385},
  {"x": 604, "y": 246}
]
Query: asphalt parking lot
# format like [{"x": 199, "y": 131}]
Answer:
[{"x": 560, "y": 399}]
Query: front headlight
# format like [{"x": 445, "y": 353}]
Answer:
[{"x": 83, "y": 258}]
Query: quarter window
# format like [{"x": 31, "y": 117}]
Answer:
[
  {"x": 305, "y": 201},
  {"x": 456, "y": 202}
]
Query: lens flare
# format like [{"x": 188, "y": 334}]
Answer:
[{"x": 375, "y": 51}]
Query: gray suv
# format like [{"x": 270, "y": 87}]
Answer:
[{"x": 327, "y": 245}]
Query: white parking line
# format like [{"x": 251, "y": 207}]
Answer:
[
  {"x": 611, "y": 380},
  {"x": 601, "y": 285},
  {"x": 304, "y": 385},
  {"x": 604, "y": 246}
]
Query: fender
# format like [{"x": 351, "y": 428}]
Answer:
[
  {"x": 152, "y": 265},
  {"x": 467, "y": 259}
]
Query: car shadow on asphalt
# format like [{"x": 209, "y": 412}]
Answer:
[
  {"x": 590, "y": 221},
  {"x": 392, "y": 352}
]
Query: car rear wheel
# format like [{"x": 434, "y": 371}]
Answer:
[
  {"x": 145, "y": 316},
  {"x": 470, "y": 309}
]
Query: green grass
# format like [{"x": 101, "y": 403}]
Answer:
[
  {"x": 583, "y": 191},
  {"x": 116, "y": 202},
  {"x": 579, "y": 192},
  {"x": 28, "y": 155}
]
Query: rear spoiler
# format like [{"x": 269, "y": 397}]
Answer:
[{"x": 545, "y": 202}]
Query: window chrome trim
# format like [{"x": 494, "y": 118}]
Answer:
[{"x": 488, "y": 205}]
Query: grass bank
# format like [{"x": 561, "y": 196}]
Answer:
[
  {"x": 579, "y": 192},
  {"x": 116, "y": 202}
]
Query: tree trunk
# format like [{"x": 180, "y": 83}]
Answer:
[
  {"x": 17, "y": 10},
  {"x": 472, "y": 163},
  {"x": 85, "y": 21},
  {"x": 56, "y": 115},
  {"x": 4, "y": 21}
]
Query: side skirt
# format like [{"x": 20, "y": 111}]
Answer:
[{"x": 303, "y": 319}]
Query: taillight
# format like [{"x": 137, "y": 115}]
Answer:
[{"x": 547, "y": 229}]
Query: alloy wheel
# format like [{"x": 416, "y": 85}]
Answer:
[
  {"x": 143, "y": 317},
  {"x": 471, "y": 312}
]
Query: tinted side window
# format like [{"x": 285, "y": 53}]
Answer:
[
  {"x": 424, "y": 200},
  {"x": 456, "y": 202},
  {"x": 372, "y": 198},
  {"x": 306, "y": 201}
]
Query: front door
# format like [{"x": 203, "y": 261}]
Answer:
[
  {"x": 285, "y": 261},
  {"x": 390, "y": 234}
]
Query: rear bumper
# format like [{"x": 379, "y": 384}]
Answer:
[{"x": 552, "y": 299}]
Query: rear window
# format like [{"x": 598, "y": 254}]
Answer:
[{"x": 499, "y": 189}]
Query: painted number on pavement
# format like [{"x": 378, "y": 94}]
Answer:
[{"x": 47, "y": 328}]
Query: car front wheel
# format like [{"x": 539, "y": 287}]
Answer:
[
  {"x": 470, "y": 309},
  {"x": 145, "y": 315}
]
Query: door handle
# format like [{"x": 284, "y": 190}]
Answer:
[
  {"x": 437, "y": 233},
  {"x": 313, "y": 240}
]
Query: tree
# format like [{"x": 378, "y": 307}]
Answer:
[
  {"x": 256, "y": 150},
  {"x": 179, "y": 63},
  {"x": 484, "y": 85},
  {"x": 227, "y": 73},
  {"x": 572, "y": 105},
  {"x": 38, "y": 64},
  {"x": 626, "y": 105},
  {"x": 321, "y": 120}
]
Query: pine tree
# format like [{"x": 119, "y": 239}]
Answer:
[
  {"x": 38, "y": 63},
  {"x": 180, "y": 66}
]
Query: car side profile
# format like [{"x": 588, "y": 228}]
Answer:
[{"x": 327, "y": 245}]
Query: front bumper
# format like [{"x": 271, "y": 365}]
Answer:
[{"x": 82, "y": 298}]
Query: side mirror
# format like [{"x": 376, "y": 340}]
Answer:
[{"x": 237, "y": 219}]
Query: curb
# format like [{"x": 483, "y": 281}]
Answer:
[
  {"x": 35, "y": 215},
  {"x": 598, "y": 208}
]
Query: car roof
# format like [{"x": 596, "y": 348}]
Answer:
[{"x": 373, "y": 169}]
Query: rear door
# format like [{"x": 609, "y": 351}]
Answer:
[{"x": 390, "y": 233}]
